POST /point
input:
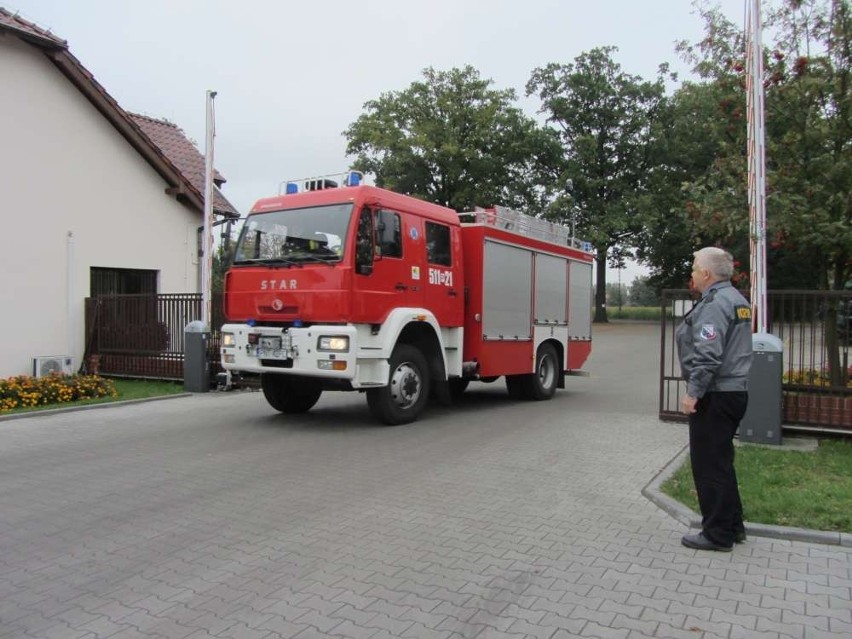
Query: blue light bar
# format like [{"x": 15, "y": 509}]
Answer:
[
  {"x": 353, "y": 178},
  {"x": 292, "y": 188}
]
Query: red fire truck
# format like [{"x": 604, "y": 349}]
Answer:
[{"x": 337, "y": 285}]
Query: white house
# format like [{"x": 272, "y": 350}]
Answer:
[{"x": 94, "y": 200}]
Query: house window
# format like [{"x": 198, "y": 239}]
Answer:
[{"x": 121, "y": 281}]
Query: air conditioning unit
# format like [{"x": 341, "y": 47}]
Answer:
[{"x": 45, "y": 365}]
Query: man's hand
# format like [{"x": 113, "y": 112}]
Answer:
[{"x": 687, "y": 404}]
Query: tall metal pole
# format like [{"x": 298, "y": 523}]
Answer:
[
  {"x": 207, "y": 237},
  {"x": 756, "y": 169}
]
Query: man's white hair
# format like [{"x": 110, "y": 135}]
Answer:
[{"x": 718, "y": 261}]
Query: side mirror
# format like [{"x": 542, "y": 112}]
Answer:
[{"x": 365, "y": 269}]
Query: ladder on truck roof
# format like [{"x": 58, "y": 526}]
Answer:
[{"x": 511, "y": 220}]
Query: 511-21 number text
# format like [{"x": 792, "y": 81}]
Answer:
[{"x": 442, "y": 278}]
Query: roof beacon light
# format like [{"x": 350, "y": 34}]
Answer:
[{"x": 321, "y": 182}]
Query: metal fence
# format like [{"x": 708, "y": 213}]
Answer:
[
  {"x": 814, "y": 327},
  {"x": 142, "y": 336}
]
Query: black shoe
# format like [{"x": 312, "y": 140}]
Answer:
[
  {"x": 739, "y": 537},
  {"x": 700, "y": 542}
]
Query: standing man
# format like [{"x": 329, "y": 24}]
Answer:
[{"x": 715, "y": 351}]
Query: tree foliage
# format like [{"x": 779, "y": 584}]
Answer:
[
  {"x": 452, "y": 139},
  {"x": 643, "y": 293},
  {"x": 808, "y": 97},
  {"x": 603, "y": 117}
]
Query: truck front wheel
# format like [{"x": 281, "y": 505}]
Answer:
[
  {"x": 405, "y": 396},
  {"x": 289, "y": 395}
]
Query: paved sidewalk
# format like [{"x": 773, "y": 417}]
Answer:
[{"x": 210, "y": 516}]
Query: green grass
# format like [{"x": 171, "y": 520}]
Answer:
[
  {"x": 786, "y": 488},
  {"x": 127, "y": 389}
]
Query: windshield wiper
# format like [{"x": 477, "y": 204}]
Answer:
[{"x": 318, "y": 258}]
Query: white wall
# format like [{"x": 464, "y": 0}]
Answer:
[{"x": 74, "y": 195}]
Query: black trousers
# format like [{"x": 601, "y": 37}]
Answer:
[{"x": 711, "y": 450}]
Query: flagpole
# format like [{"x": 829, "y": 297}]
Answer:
[
  {"x": 207, "y": 240},
  {"x": 756, "y": 169}
]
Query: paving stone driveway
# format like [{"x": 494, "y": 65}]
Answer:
[{"x": 210, "y": 516}]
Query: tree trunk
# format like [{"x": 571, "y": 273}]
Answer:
[{"x": 600, "y": 286}]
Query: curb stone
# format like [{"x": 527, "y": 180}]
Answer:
[
  {"x": 692, "y": 519},
  {"x": 71, "y": 409}
]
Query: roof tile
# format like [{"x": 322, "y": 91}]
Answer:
[
  {"x": 25, "y": 28},
  {"x": 174, "y": 144}
]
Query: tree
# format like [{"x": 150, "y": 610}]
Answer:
[
  {"x": 603, "y": 117},
  {"x": 223, "y": 255},
  {"x": 808, "y": 83},
  {"x": 452, "y": 139},
  {"x": 808, "y": 140},
  {"x": 616, "y": 294},
  {"x": 688, "y": 136},
  {"x": 642, "y": 293}
]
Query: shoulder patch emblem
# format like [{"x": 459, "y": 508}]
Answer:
[
  {"x": 743, "y": 313},
  {"x": 708, "y": 332}
]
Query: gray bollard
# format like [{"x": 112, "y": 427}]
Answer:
[
  {"x": 762, "y": 421},
  {"x": 196, "y": 368}
]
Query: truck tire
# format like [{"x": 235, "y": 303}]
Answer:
[
  {"x": 516, "y": 385},
  {"x": 407, "y": 392},
  {"x": 288, "y": 395},
  {"x": 542, "y": 383},
  {"x": 457, "y": 388}
]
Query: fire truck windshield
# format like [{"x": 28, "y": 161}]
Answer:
[{"x": 314, "y": 234}]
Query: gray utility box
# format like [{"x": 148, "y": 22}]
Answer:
[
  {"x": 196, "y": 368},
  {"x": 762, "y": 421}
]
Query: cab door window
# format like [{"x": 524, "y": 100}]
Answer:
[
  {"x": 438, "y": 244},
  {"x": 389, "y": 234},
  {"x": 364, "y": 244}
]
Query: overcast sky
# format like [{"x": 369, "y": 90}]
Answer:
[{"x": 292, "y": 75}]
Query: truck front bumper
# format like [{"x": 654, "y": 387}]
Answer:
[{"x": 322, "y": 351}]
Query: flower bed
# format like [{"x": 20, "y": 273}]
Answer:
[
  {"x": 815, "y": 377},
  {"x": 24, "y": 391},
  {"x": 811, "y": 400}
]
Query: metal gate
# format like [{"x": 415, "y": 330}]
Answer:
[
  {"x": 142, "y": 336},
  {"x": 815, "y": 328}
]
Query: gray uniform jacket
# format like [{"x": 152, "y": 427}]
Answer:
[{"x": 714, "y": 342}]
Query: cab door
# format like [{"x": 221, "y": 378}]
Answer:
[
  {"x": 384, "y": 279},
  {"x": 443, "y": 277}
]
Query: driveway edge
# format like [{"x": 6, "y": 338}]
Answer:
[
  {"x": 72, "y": 409},
  {"x": 692, "y": 519}
]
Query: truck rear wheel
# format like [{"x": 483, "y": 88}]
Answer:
[
  {"x": 407, "y": 392},
  {"x": 542, "y": 383},
  {"x": 516, "y": 385},
  {"x": 457, "y": 388},
  {"x": 288, "y": 395}
]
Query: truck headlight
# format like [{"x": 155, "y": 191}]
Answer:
[
  {"x": 329, "y": 343},
  {"x": 228, "y": 340}
]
